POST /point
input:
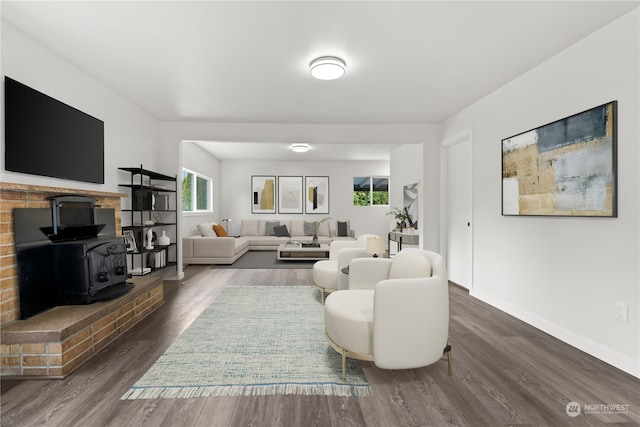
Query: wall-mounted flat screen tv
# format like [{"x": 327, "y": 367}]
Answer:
[{"x": 44, "y": 136}]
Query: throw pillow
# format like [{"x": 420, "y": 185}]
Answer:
[
  {"x": 281, "y": 231},
  {"x": 269, "y": 228},
  {"x": 309, "y": 228},
  {"x": 249, "y": 227},
  {"x": 220, "y": 231},
  {"x": 206, "y": 229},
  {"x": 409, "y": 265},
  {"x": 343, "y": 228}
]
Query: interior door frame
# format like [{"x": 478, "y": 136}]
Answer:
[{"x": 445, "y": 145}]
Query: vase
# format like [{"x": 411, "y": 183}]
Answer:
[{"x": 164, "y": 240}]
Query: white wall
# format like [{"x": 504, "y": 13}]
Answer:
[
  {"x": 420, "y": 163},
  {"x": 406, "y": 168},
  {"x": 236, "y": 191},
  {"x": 172, "y": 133},
  {"x": 198, "y": 160},
  {"x": 563, "y": 275},
  {"x": 130, "y": 133}
]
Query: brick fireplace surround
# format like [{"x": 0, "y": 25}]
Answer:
[{"x": 54, "y": 343}]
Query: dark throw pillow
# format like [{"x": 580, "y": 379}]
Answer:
[
  {"x": 269, "y": 228},
  {"x": 343, "y": 229},
  {"x": 281, "y": 231}
]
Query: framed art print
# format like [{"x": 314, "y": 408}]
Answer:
[
  {"x": 564, "y": 168},
  {"x": 290, "y": 194},
  {"x": 410, "y": 202},
  {"x": 263, "y": 194},
  {"x": 130, "y": 240},
  {"x": 316, "y": 194}
]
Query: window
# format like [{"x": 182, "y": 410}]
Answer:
[
  {"x": 370, "y": 191},
  {"x": 196, "y": 192}
]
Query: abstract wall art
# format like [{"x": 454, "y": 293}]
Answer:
[
  {"x": 410, "y": 202},
  {"x": 316, "y": 194},
  {"x": 290, "y": 194},
  {"x": 263, "y": 194},
  {"x": 564, "y": 168}
]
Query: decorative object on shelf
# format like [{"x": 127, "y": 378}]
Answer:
[
  {"x": 131, "y": 240},
  {"x": 164, "y": 240},
  {"x": 564, "y": 168},
  {"x": 149, "y": 239},
  {"x": 317, "y": 194},
  {"x": 263, "y": 194},
  {"x": 157, "y": 259},
  {"x": 375, "y": 246},
  {"x": 157, "y": 217},
  {"x": 160, "y": 201},
  {"x": 290, "y": 194}
]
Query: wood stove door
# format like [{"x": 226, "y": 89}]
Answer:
[{"x": 107, "y": 265}]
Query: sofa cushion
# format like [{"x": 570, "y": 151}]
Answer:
[
  {"x": 249, "y": 227},
  {"x": 269, "y": 228},
  {"x": 271, "y": 242},
  {"x": 206, "y": 229},
  {"x": 323, "y": 229},
  {"x": 309, "y": 228},
  {"x": 296, "y": 227},
  {"x": 281, "y": 231},
  {"x": 348, "y": 319},
  {"x": 219, "y": 230}
]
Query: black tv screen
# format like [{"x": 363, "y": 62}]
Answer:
[{"x": 44, "y": 136}]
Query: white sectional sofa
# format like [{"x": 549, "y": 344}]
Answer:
[{"x": 260, "y": 235}]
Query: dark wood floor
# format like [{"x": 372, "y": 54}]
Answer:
[{"x": 505, "y": 373}]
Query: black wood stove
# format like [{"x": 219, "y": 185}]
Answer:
[{"x": 68, "y": 254}]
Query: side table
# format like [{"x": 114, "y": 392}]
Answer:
[{"x": 400, "y": 238}]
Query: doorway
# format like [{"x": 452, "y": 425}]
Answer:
[{"x": 457, "y": 208}]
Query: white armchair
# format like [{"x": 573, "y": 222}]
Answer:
[
  {"x": 327, "y": 274},
  {"x": 395, "y": 312}
]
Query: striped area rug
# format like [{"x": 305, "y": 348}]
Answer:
[{"x": 253, "y": 341}]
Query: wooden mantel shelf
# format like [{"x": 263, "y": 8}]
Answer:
[{"x": 46, "y": 189}]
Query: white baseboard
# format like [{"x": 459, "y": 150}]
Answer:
[{"x": 613, "y": 358}]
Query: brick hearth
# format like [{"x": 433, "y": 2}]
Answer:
[{"x": 54, "y": 343}]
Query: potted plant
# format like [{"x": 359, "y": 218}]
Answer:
[
  {"x": 315, "y": 234},
  {"x": 402, "y": 217}
]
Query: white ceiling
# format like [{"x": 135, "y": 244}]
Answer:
[{"x": 247, "y": 62}]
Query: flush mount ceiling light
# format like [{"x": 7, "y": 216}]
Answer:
[
  {"x": 327, "y": 68},
  {"x": 300, "y": 148}
]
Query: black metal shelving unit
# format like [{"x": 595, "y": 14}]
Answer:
[{"x": 152, "y": 204}]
